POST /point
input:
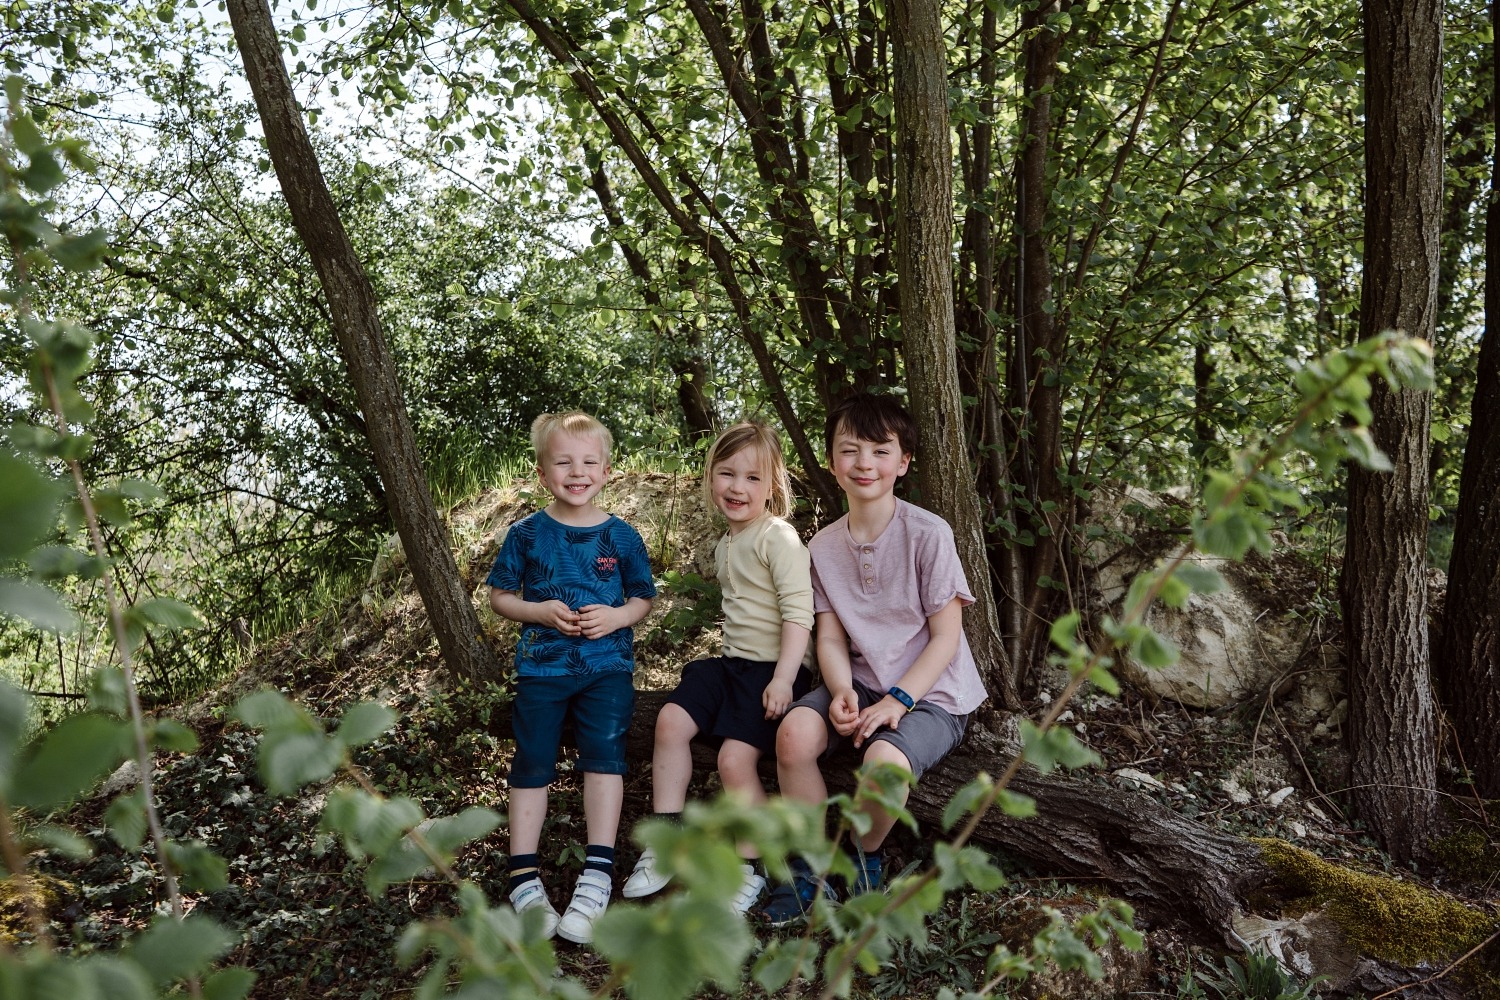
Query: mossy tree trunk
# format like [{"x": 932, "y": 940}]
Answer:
[{"x": 1383, "y": 589}]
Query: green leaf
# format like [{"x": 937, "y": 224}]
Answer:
[
  {"x": 70, "y": 760},
  {"x": 1064, "y": 631},
  {"x": 966, "y": 799},
  {"x": 1015, "y": 805},
  {"x": 233, "y": 983},
  {"x": 1056, "y": 746},
  {"x": 28, "y": 506},
  {"x": 15, "y": 708},
  {"x": 269, "y": 709},
  {"x": 166, "y": 613},
  {"x": 109, "y": 978},
  {"x": 169, "y": 734},
  {"x": 126, "y": 819},
  {"x": 289, "y": 760},
  {"x": 669, "y": 951},
  {"x": 170, "y": 949},
  {"x": 1154, "y": 651},
  {"x": 364, "y": 723},
  {"x": 202, "y": 870},
  {"x": 1202, "y": 579},
  {"x": 368, "y": 824},
  {"x": 107, "y": 692},
  {"x": 34, "y": 603},
  {"x": 61, "y": 840}
]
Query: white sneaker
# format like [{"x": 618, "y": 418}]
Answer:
[
  {"x": 750, "y": 890},
  {"x": 533, "y": 896},
  {"x": 646, "y": 878},
  {"x": 590, "y": 897}
]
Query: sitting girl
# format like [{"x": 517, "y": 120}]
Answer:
[{"x": 734, "y": 701}]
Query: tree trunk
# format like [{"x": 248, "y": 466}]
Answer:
[
  {"x": 1383, "y": 589},
  {"x": 924, "y": 267},
  {"x": 1469, "y": 658},
  {"x": 1037, "y": 351},
  {"x": 356, "y": 323}
]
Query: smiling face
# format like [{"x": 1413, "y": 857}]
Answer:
[
  {"x": 574, "y": 468},
  {"x": 740, "y": 487},
  {"x": 867, "y": 470}
]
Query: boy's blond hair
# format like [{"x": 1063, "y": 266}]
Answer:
[
  {"x": 574, "y": 422},
  {"x": 736, "y": 439}
]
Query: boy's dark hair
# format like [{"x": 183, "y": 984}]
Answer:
[{"x": 871, "y": 418}]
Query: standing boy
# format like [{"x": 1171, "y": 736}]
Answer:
[
  {"x": 577, "y": 579},
  {"x": 888, "y": 594}
]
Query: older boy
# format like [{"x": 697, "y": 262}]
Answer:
[
  {"x": 888, "y": 593},
  {"x": 577, "y": 579}
]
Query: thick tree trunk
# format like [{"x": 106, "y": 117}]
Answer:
[
  {"x": 1383, "y": 589},
  {"x": 356, "y": 323},
  {"x": 1038, "y": 345},
  {"x": 924, "y": 266},
  {"x": 1469, "y": 658}
]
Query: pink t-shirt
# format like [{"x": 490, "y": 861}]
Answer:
[{"x": 884, "y": 591}]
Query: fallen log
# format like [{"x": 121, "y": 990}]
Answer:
[{"x": 1172, "y": 867}]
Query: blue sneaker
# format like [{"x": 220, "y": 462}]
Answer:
[
  {"x": 867, "y": 871},
  {"x": 790, "y": 901}
]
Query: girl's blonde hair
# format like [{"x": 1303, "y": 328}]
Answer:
[
  {"x": 574, "y": 422},
  {"x": 736, "y": 439}
]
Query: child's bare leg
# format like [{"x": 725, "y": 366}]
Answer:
[
  {"x": 800, "y": 741},
  {"x": 603, "y": 795},
  {"x": 739, "y": 769},
  {"x": 672, "y": 759},
  {"x": 882, "y": 752},
  {"x": 528, "y": 808}
]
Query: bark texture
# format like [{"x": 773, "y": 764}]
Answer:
[
  {"x": 1038, "y": 344},
  {"x": 1383, "y": 588},
  {"x": 1469, "y": 659},
  {"x": 356, "y": 323},
  {"x": 924, "y": 266}
]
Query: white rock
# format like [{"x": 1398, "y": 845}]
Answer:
[
  {"x": 1137, "y": 777},
  {"x": 1279, "y": 796},
  {"x": 1235, "y": 791}
]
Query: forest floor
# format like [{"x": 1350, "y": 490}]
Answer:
[{"x": 310, "y": 929}]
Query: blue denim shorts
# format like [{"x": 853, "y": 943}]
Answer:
[{"x": 600, "y": 706}]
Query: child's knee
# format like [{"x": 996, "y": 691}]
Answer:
[
  {"x": 674, "y": 725},
  {"x": 802, "y": 735}
]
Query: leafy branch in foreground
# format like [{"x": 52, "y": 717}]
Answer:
[{"x": 67, "y": 760}]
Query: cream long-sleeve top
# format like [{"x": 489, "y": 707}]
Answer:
[{"x": 766, "y": 579}]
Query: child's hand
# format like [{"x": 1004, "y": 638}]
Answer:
[
  {"x": 556, "y": 614},
  {"x": 843, "y": 712},
  {"x": 598, "y": 620},
  {"x": 777, "y": 698},
  {"x": 885, "y": 712}
]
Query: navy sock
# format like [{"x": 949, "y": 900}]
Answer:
[
  {"x": 523, "y": 868},
  {"x": 600, "y": 859}
]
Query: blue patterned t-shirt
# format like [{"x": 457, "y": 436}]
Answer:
[{"x": 543, "y": 560}]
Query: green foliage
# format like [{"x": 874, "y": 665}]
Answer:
[{"x": 1259, "y": 977}]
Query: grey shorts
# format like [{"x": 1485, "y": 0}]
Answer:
[{"x": 925, "y": 735}]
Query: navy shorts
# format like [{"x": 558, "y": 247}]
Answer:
[
  {"x": 600, "y": 705},
  {"x": 722, "y": 695},
  {"x": 925, "y": 735}
]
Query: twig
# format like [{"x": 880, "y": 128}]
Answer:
[{"x": 1432, "y": 979}]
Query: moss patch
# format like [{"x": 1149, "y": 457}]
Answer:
[
  {"x": 1470, "y": 854},
  {"x": 1382, "y": 916},
  {"x": 46, "y": 893}
]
